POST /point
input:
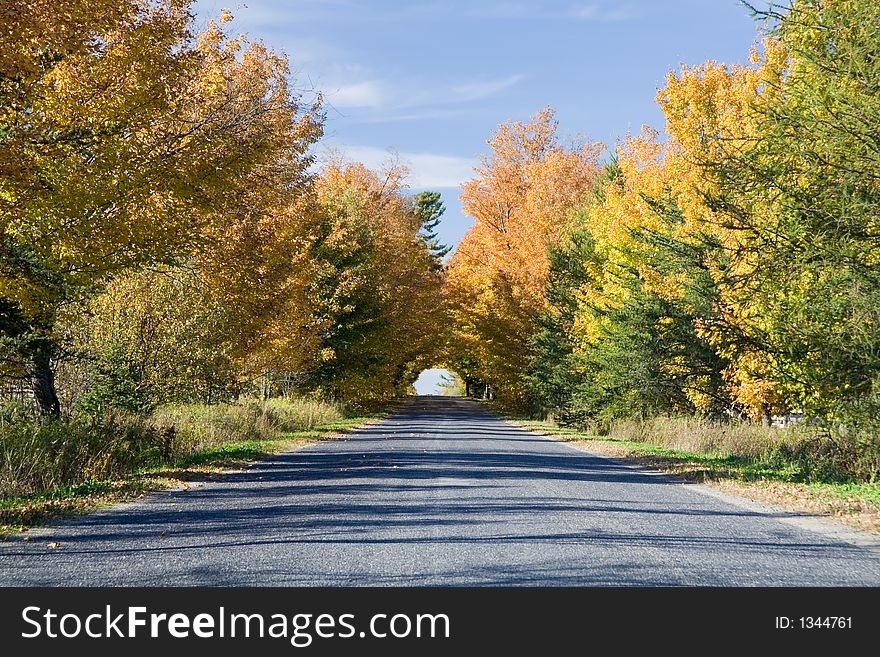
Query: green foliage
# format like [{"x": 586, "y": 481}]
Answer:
[
  {"x": 345, "y": 301},
  {"x": 117, "y": 385},
  {"x": 648, "y": 357},
  {"x": 761, "y": 293},
  {"x": 429, "y": 209},
  {"x": 557, "y": 371},
  {"x": 806, "y": 199},
  {"x": 374, "y": 289}
]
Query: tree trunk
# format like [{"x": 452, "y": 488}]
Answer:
[{"x": 42, "y": 379}]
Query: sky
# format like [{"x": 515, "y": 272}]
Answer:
[{"x": 426, "y": 82}]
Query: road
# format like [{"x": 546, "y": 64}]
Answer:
[{"x": 438, "y": 493}]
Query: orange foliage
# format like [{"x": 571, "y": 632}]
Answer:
[{"x": 520, "y": 198}]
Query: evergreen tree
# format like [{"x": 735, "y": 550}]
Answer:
[{"x": 429, "y": 209}]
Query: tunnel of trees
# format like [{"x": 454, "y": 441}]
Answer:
[{"x": 165, "y": 237}]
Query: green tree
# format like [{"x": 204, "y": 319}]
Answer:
[
  {"x": 556, "y": 369},
  {"x": 804, "y": 197},
  {"x": 429, "y": 209}
]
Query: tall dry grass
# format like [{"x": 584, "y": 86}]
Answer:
[
  {"x": 819, "y": 453},
  {"x": 37, "y": 457}
]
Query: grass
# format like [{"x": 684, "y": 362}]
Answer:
[
  {"x": 770, "y": 480},
  {"x": 200, "y": 461}
]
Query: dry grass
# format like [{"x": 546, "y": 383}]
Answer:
[
  {"x": 855, "y": 505},
  {"x": 816, "y": 453},
  {"x": 197, "y": 427},
  {"x": 755, "y": 462},
  {"x": 20, "y": 512},
  {"x": 37, "y": 457},
  {"x": 695, "y": 435}
]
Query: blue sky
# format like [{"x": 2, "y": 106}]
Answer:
[{"x": 430, "y": 80}]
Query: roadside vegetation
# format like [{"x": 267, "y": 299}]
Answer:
[
  {"x": 178, "y": 280},
  {"x": 180, "y": 286},
  {"x": 51, "y": 469},
  {"x": 793, "y": 467}
]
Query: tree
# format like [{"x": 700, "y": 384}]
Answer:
[
  {"x": 375, "y": 288},
  {"x": 621, "y": 337},
  {"x": 154, "y": 337},
  {"x": 127, "y": 138},
  {"x": 556, "y": 369},
  {"x": 429, "y": 209},
  {"x": 804, "y": 195},
  {"x": 521, "y": 198}
]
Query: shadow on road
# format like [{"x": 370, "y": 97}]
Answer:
[{"x": 442, "y": 474}]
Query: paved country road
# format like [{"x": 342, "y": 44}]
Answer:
[{"x": 439, "y": 493}]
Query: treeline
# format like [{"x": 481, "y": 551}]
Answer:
[
  {"x": 728, "y": 268},
  {"x": 164, "y": 236}
]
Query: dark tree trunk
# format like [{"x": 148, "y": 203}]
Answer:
[{"x": 42, "y": 379}]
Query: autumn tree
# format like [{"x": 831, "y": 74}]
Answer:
[
  {"x": 150, "y": 338},
  {"x": 375, "y": 287},
  {"x": 738, "y": 253},
  {"x": 520, "y": 199},
  {"x": 804, "y": 195},
  {"x": 128, "y": 138}
]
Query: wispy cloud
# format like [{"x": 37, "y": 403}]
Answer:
[
  {"x": 407, "y": 100},
  {"x": 599, "y": 13},
  {"x": 585, "y": 12},
  {"x": 428, "y": 114},
  {"x": 359, "y": 94},
  {"x": 427, "y": 170},
  {"x": 485, "y": 89},
  {"x": 275, "y": 15},
  {"x": 512, "y": 10}
]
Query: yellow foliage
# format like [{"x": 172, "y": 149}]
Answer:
[
  {"x": 710, "y": 113},
  {"x": 521, "y": 199}
]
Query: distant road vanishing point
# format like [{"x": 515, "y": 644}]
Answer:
[{"x": 438, "y": 493}]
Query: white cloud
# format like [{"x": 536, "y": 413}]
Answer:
[
  {"x": 619, "y": 14},
  {"x": 478, "y": 90},
  {"x": 517, "y": 10},
  {"x": 425, "y": 115},
  {"x": 360, "y": 94},
  {"x": 409, "y": 100},
  {"x": 431, "y": 170},
  {"x": 427, "y": 170}
]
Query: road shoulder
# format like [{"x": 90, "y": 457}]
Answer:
[{"x": 795, "y": 504}]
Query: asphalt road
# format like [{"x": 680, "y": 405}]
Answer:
[{"x": 439, "y": 493}]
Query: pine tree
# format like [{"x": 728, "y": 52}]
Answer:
[{"x": 429, "y": 209}]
